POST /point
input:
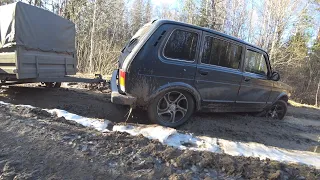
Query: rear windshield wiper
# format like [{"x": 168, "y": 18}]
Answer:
[{"x": 131, "y": 42}]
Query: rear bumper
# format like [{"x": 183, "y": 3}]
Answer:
[{"x": 116, "y": 97}]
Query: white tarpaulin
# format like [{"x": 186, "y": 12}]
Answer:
[{"x": 35, "y": 28}]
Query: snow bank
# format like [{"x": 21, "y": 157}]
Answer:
[
  {"x": 171, "y": 137},
  {"x": 152, "y": 132},
  {"x": 88, "y": 122},
  {"x": 20, "y": 105},
  {"x": 97, "y": 124},
  {"x": 262, "y": 151}
]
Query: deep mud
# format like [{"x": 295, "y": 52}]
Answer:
[
  {"x": 300, "y": 129},
  {"x": 297, "y": 133},
  {"x": 36, "y": 145}
]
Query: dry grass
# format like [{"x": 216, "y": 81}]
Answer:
[{"x": 296, "y": 104}]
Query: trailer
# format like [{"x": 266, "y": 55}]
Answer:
[{"x": 37, "y": 45}]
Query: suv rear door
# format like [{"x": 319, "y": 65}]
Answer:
[
  {"x": 255, "y": 86},
  {"x": 167, "y": 59},
  {"x": 138, "y": 36},
  {"x": 218, "y": 75},
  {"x": 178, "y": 54}
]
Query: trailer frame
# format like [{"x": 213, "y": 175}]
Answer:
[{"x": 13, "y": 81}]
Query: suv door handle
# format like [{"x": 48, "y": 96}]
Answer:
[
  {"x": 204, "y": 73},
  {"x": 246, "y": 79}
]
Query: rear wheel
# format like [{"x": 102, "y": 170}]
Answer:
[
  {"x": 53, "y": 84},
  {"x": 171, "y": 108},
  {"x": 278, "y": 110}
]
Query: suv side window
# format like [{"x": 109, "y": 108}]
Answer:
[
  {"x": 221, "y": 53},
  {"x": 255, "y": 63},
  {"x": 182, "y": 45}
]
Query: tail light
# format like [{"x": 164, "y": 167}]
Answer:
[{"x": 122, "y": 80}]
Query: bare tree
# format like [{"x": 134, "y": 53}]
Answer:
[
  {"x": 92, "y": 37},
  {"x": 4, "y": 2},
  {"x": 189, "y": 11},
  {"x": 148, "y": 12},
  {"x": 236, "y": 17},
  {"x": 137, "y": 15},
  {"x": 283, "y": 27}
]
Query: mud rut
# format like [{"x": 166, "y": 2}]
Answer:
[{"x": 300, "y": 130}]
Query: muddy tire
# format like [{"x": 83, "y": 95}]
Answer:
[
  {"x": 57, "y": 85},
  {"x": 171, "y": 108},
  {"x": 53, "y": 84},
  {"x": 278, "y": 110}
]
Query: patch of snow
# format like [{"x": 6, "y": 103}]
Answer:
[
  {"x": 262, "y": 151},
  {"x": 27, "y": 106},
  {"x": 19, "y": 105},
  {"x": 97, "y": 124},
  {"x": 171, "y": 137},
  {"x": 209, "y": 144},
  {"x": 88, "y": 122},
  {"x": 183, "y": 141},
  {"x": 4, "y": 103},
  {"x": 152, "y": 132}
]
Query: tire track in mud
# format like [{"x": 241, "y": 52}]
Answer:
[
  {"x": 37, "y": 145},
  {"x": 95, "y": 104}
]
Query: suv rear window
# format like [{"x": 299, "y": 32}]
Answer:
[
  {"x": 255, "y": 63},
  {"x": 181, "y": 45},
  {"x": 221, "y": 53},
  {"x": 137, "y": 37},
  {"x": 133, "y": 42}
]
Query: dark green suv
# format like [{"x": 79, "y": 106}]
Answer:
[{"x": 173, "y": 69}]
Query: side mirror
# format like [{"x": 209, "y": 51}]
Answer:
[{"x": 275, "y": 76}]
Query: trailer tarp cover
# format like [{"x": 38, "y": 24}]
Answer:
[{"x": 35, "y": 28}]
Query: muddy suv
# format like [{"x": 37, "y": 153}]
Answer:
[{"x": 173, "y": 69}]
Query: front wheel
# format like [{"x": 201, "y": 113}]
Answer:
[
  {"x": 171, "y": 108},
  {"x": 278, "y": 110}
]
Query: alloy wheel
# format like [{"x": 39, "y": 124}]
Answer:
[
  {"x": 172, "y": 107},
  {"x": 276, "y": 111}
]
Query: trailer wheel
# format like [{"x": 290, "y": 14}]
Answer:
[{"x": 53, "y": 84}]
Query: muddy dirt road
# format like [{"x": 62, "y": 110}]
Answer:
[
  {"x": 37, "y": 145},
  {"x": 300, "y": 130}
]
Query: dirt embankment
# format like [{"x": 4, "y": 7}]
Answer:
[{"x": 36, "y": 145}]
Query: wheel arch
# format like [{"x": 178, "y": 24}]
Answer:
[
  {"x": 283, "y": 96},
  {"x": 178, "y": 86}
]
